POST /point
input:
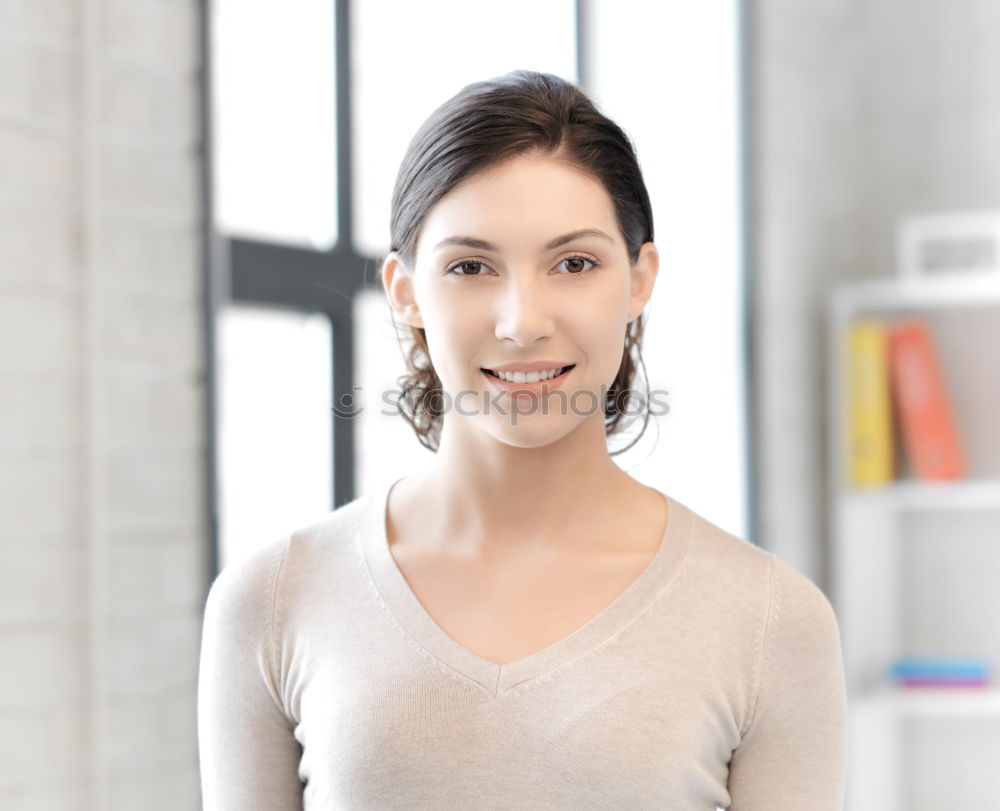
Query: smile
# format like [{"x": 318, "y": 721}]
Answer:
[{"x": 529, "y": 382}]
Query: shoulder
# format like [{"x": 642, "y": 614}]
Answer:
[
  {"x": 733, "y": 557},
  {"x": 244, "y": 589},
  {"x": 801, "y": 620},
  {"x": 257, "y": 580},
  {"x": 325, "y": 559},
  {"x": 794, "y": 591},
  {"x": 723, "y": 563},
  {"x": 239, "y": 611},
  {"x": 799, "y": 670},
  {"x": 740, "y": 573},
  {"x": 348, "y": 522},
  {"x": 328, "y": 548}
]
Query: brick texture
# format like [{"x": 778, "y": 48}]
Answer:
[{"x": 102, "y": 535}]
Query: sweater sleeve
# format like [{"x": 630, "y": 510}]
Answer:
[
  {"x": 247, "y": 750},
  {"x": 792, "y": 753}
]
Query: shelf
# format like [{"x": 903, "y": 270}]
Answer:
[
  {"x": 945, "y": 701},
  {"x": 890, "y": 292},
  {"x": 975, "y": 494},
  {"x": 886, "y": 598}
]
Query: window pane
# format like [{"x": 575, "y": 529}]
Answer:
[
  {"x": 274, "y": 143},
  {"x": 399, "y": 78},
  {"x": 275, "y": 425},
  {"x": 667, "y": 72}
]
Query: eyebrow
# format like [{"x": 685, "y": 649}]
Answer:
[{"x": 483, "y": 245}]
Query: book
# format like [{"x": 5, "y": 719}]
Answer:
[
  {"x": 940, "y": 670},
  {"x": 920, "y": 400},
  {"x": 871, "y": 456},
  {"x": 944, "y": 683}
]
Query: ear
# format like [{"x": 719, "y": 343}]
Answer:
[
  {"x": 643, "y": 274},
  {"x": 397, "y": 280}
]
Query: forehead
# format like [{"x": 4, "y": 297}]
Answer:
[{"x": 523, "y": 202}]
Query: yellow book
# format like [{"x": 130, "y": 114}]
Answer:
[{"x": 871, "y": 459}]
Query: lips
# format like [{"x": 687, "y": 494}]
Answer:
[
  {"x": 563, "y": 367},
  {"x": 540, "y": 387}
]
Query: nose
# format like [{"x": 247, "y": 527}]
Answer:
[{"x": 524, "y": 312}]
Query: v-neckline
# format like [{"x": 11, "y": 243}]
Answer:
[{"x": 497, "y": 678}]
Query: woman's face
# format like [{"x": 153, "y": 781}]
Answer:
[{"x": 518, "y": 297}]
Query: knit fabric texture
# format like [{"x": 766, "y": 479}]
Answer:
[{"x": 715, "y": 680}]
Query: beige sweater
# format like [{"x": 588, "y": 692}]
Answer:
[{"x": 714, "y": 680}]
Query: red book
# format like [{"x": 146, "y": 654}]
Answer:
[{"x": 921, "y": 403}]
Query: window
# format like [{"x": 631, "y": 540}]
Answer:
[
  {"x": 312, "y": 107},
  {"x": 274, "y": 97},
  {"x": 274, "y": 428},
  {"x": 678, "y": 96}
]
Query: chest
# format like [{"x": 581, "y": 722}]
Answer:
[{"x": 505, "y": 611}]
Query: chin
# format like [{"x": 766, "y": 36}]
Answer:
[{"x": 532, "y": 432}]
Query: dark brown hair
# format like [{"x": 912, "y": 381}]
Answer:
[{"x": 482, "y": 126}]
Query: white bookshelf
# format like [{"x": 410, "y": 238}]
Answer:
[
  {"x": 983, "y": 494},
  {"x": 910, "y": 560},
  {"x": 904, "y": 703}
]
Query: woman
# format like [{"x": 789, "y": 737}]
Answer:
[{"x": 522, "y": 624}]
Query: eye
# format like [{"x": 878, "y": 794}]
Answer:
[
  {"x": 578, "y": 258},
  {"x": 457, "y": 268}
]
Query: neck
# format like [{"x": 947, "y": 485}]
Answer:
[{"x": 483, "y": 497}]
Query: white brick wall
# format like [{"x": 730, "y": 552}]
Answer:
[{"x": 102, "y": 534}]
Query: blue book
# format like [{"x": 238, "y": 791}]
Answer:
[{"x": 939, "y": 668}]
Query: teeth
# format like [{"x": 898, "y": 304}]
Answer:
[{"x": 527, "y": 377}]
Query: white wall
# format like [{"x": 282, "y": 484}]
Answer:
[
  {"x": 804, "y": 212},
  {"x": 102, "y": 537}
]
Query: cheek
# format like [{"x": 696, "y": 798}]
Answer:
[
  {"x": 604, "y": 300},
  {"x": 453, "y": 336},
  {"x": 610, "y": 352},
  {"x": 601, "y": 320}
]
